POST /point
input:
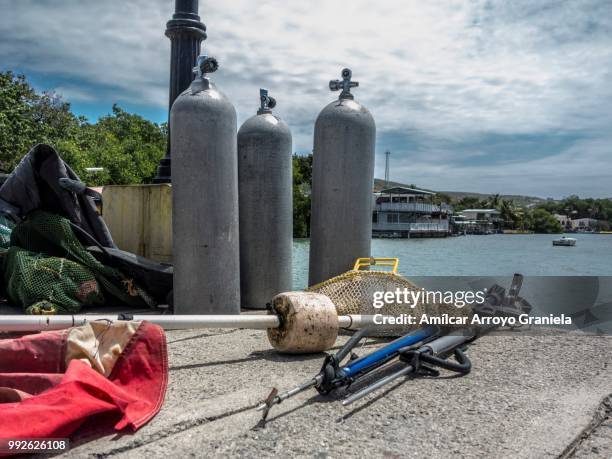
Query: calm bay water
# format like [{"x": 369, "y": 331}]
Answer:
[{"x": 492, "y": 255}]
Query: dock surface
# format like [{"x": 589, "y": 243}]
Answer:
[{"x": 527, "y": 396}]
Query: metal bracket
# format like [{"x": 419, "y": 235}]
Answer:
[
  {"x": 345, "y": 85},
  {"x": 205, "y": 64},
  {"x": 267, "y": 103},
  {"x": 500, "y": 302}
]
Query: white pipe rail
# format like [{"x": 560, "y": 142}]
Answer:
[{"x": 28, "y": 323}]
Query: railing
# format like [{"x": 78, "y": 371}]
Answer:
[
  {"x": 412, "y": 227},
  {"x": 410, "y": 207}
]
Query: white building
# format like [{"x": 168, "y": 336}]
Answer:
[
  {"x": 477, "y": 221},
  {"x": 408, "y": 212},
  {"x": 490, "y": 215},
  {"x": 564, "y": 220},
  {"x": 584, "y": 224}
]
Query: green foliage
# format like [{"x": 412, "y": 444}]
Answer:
[
  {"x": 508, "y": 213},
  {"x": 302, "y": 180},
  {"x": 494, "y": 201},
  {"x": 574, "y": 207},
  {"x": 440, "y": 198},
  {"x": 127, "y": 146},
  {"x": 513, "y": 217},
  {"x": 28, "y": 118},
  {"x": 470, "y": 202},
  {"x": 542, "y": 221},
  {"x": 602, "y": 225}
]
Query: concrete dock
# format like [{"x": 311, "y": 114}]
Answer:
[{"x": 527, "y": 396}]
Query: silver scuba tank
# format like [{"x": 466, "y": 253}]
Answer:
[
  {"x": 342, "y": 184},
  {"x": 205, "y": 198},
  {"x": 266, "y": 208}
]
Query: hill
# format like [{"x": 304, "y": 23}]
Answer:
[
  {"x": 379, "y": 184},
  {"x": 517, "y": 199}
]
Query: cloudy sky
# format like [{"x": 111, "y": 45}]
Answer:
[{"x": 487, "y": 96}]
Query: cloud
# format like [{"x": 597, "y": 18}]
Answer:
[
  {"x": 75, "y": 94},
  {"x": 118, "y": 46},
  {"x": 483, "y": 95}
]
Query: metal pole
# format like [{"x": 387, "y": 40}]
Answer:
[
  {"x": 387, "y": 154},
  {"x": 381, "y": 382},
  {"x": 28, "y": 323},
  {"x": 186, "y": 33}
]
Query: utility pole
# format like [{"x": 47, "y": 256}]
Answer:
[
  {"x": 186, "y": 33},
  {"x": 387, "y": 154}
]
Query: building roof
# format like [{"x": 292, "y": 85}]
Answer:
[
  {"x": 405, "y": 190},
  {"x": 482, "y": 211}
]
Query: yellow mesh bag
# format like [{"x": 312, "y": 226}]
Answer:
[{"x": 353, "y": 292}]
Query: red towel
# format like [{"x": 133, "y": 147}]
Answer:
[{"x": 42, "y": 397}]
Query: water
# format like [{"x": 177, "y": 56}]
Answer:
[{"x": 492, "y": 255}]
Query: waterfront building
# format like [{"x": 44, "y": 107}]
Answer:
[
  {"x": 564, "y": 221},
  {"x": 477, "y": 221},
  {"x": 402, "y": 212},
  {"x": 584, "y": 224}
]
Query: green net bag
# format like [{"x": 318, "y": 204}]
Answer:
[
  {"x": 49, "y": 285},
  {"x": 48, "y": 271}
]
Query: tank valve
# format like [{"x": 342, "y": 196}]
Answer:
[
  {"x": 205, "y": 64},
  {"x": 267, "y": 102},
  {"x": 346, "y": 84}
]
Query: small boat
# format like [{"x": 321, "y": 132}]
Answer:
[{"x": 565, "y": 241}]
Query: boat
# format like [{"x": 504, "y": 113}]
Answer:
[{"x": 565, "y": 241}]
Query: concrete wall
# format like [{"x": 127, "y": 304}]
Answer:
[{"x": 140, "y": 218}]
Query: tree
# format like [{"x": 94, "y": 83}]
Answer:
[
  {"x": 442, "y": 198},
  {"x": 544, "y": 222},
  {"x": 602, "y": 225},
  {"x": 494, "y": 201},
  {"x": 575, "y": 207},
  {"x": 126, "y": 145},
  {"x": 469, "y": 202},
  {"x": 302, "y": 181},
  {"x": 28, "y": 118},
  {"x": 509, "y": 214}
]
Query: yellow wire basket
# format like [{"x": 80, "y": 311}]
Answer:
[{"x": 353, "y": 293}]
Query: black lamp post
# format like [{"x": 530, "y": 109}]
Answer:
[{"x": 185, "y": 32}]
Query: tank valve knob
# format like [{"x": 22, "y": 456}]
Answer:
[
  {"x": 205, "y": 64},
  {"x": 267, "y": 102},
  {"x": 346, "y": 84}
]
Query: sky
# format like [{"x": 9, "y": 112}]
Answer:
[{"x": 482, "y": 96}]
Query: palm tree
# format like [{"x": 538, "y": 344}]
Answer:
[
  {"x": 494, "y": 201},
  {"x": 508, "y": 212}
]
